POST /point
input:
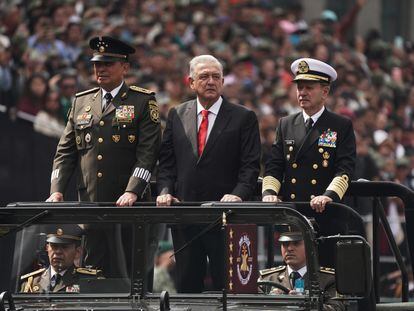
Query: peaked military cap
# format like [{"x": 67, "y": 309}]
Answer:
[
  {"x": 108, "y": 49},
  {"x": 65, "y": 234},
  {"x": 309, "y": 69},
  {"x": 291, "y": 236}
]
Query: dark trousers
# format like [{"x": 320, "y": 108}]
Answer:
[{"x": 191, "y": 262}]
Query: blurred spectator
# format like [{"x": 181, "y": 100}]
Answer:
[
  {"x": 67, "y": 85},
  {"x": 34, "y": 96},
  {"x": 49, "y": 121}
]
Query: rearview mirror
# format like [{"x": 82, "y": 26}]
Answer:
[{"x": 353, "y": 267}]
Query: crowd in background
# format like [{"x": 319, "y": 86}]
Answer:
[{"x": 44, "y": 61}]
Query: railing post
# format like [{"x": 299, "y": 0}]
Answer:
[{"x": 375, "y": 248}]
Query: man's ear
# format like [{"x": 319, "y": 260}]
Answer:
[{"x": 191, "y": 83}]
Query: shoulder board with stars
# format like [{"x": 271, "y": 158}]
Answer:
[
  {"x": 327, "y": 270},
  {"x": 265, "y": 272},
  {"x": 87, "y": 92},
  {"x": 34, "y": 273},
  {"x": 140, "y": 89},
  {"x": 88, "y": 271}
]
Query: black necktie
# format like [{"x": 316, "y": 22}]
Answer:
[
  {"x": 308, "y": 124},
  {"x": 55, "y": 281},
  {"x": 293, "y": 276},
  {"x": 108, "y": 98}
]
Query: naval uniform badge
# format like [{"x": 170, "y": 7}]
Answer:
[
  {"x": 328, "y": 139},
  {"x": 116, "y": 138}
]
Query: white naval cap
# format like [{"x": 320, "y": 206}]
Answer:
[{"x": 311, "y": 69}]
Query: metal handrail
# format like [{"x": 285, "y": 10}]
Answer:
[{"x": 378, "y": 189}]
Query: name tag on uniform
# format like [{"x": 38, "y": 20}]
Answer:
[
  {"x": 125, "y": 113},
  {"x": 328, "y": 139},
  {"x": 83, "y": 118}
]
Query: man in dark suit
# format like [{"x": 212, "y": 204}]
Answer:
[
  {"x": 210, "y": 152},
  {"x": 293, "y": 276}
]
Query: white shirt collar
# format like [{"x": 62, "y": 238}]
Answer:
[
  {"x": 213, "y": 109},
  {"x": 315, "y": 117},
  {"x": 114, "y": 92},
  {"x": 54, "y": 272},
  {"x": 302, "y": 271}
]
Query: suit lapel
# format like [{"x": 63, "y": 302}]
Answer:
[
  {"x": 189, "y": 121},
  {"x": 222, "y": 119},
  {"x": 118, "y": 99},
  {"x": 313, "y": 134}
]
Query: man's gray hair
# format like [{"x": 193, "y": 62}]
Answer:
[{"x": 204, "y": 59}]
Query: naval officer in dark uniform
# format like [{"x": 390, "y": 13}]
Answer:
[
  {"x": 293, "y": 276},
  {"x": 63, "y": 249},
  {"x": 112, "y": 134},
  {"x": 313, "y": 156}
]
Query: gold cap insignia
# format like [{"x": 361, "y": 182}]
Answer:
[
  {"x": 116, "y": 138},
  {"x": 303, "y": 67}
]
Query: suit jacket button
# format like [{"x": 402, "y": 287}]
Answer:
[
  {"x": 313, "y": 181},
  {"x": 315, "y": 166},
  {"x": 99, "y": 174},
  {"x": 294, "y": 165},
  {"x": 312, "y": 196},
  {"x": 101, "y": 123},
  {"x": 99, "y": 157},
  {"x": 292, "y": 196},
  {"x": 293, "y": 180},
  {"x": 100, "y": 140},
  {"x": 290, "y": 148}
]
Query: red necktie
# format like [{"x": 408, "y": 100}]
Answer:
[{"x": 202, "y": 132}]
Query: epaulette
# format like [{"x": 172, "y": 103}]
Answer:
[
  {"x": 140, "y": 89},
  {"x": 327, "y": 270},
  {"x": 88, "y": 271},
  {"x": 87, "y": 92},
  {"x": 32, "y": 273},
  {"x": 265, "y": 272}
]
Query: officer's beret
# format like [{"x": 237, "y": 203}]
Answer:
[
  {"x": 108, "y": 49},
  {"x": 65, "y": 234},
  {"x": 291, "y": 236},
  {"x": 309, "y": 69}
]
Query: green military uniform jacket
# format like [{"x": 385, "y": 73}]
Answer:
[
  {"x": 116, "y": 150},
  {"x": 39, "y": 280},
  {"x": 326, "y": 284}
]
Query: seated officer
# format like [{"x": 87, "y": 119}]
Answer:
[
  {"x": 293, "y": 275},
  {"x": 63, "y": 249}
]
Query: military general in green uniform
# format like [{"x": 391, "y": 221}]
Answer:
[
  {"x": 63, "y": 249},
  {"x": 112, "y": 134},
  {"x": 294, "y": 275}
]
